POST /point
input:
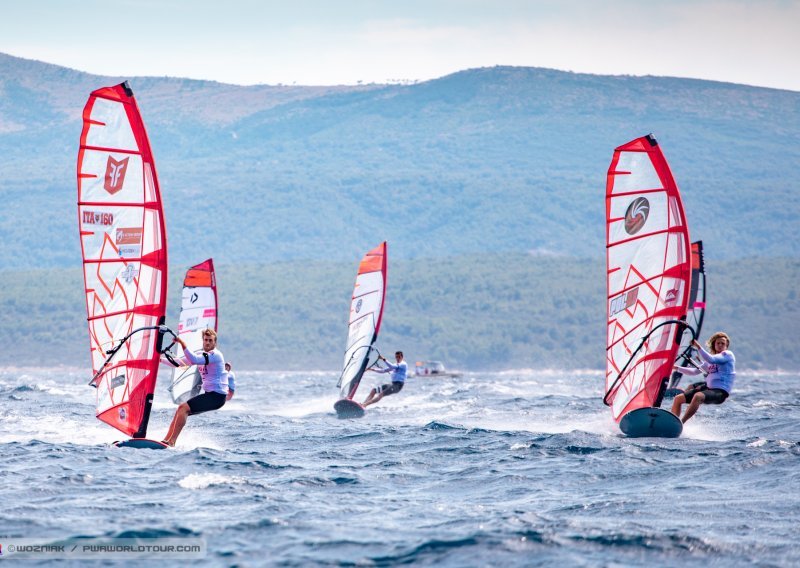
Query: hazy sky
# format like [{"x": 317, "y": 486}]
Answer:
[{"x": 323, "y": 42}]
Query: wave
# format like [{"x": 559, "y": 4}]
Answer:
[{"x": 203, "y": 480}]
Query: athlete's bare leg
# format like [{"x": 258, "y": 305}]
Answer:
[
  {"x": 693, "y": 406},
  {"x": 178, "y": 422}
]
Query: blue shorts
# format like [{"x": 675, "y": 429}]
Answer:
[{"x": 209, "y": 400}]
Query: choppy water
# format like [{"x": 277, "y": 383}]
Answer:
[{"x": 506, "y": 469}]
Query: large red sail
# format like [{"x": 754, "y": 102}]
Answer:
[
  {"x": 124, "y": 246},
  {"x": 648, "y": 275}
]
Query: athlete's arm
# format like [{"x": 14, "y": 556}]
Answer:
[{"x": 718, "y": 359}]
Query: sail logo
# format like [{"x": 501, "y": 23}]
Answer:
[
  {"x": 194, "y": 297},
  {"x": 97, "y": 218},
  {"x": 191, "y": 323},
  {"x": 128, "y": 240},
  {"x": 129, "y": 273},
  {"x": 624, "y": 301},
  {"x": 636, "y": 215},
  {"x": 358, "y": 305},
  {"x": 129, "y": 236},
  {"x": 671, "y": 297},
  {"x": 122, "y": 413},
  {"x": 117, "y": 381},
  {"x": 115, "y": 174}
]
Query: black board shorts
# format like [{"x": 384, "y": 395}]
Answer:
[
  {"x": 204, "y": 402},
  {"x": 393, "y": 388},
  {"x": 713, "y": 396}
]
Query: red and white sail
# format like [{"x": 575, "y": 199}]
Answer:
[
  {"x": 124, "y": 246},
  {"x": 366, "y": 312},
  {"x": 696, "y": 311},
  {"x": 648, "y": 272},
  {"x": 198, "y": 312}
]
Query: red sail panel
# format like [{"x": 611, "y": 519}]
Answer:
[
  {"x": 648, "y": 274},
  {"x": 124, "y": 248}
]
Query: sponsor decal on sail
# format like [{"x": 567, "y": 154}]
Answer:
[
  {"x": 624, "y": 301},
  {"x": 129, "y": 242},
  {"x": 129, "y": 273},
  {"x": 97, "y": 218},
  {"x": 671, "y": 297}
]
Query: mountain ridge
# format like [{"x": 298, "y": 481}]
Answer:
[{"x": 496, "y": 159}]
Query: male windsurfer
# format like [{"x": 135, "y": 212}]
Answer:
[
  {"x": 720, "y": 366},
  {"x": 211, "y": 365},
  {"x": 399, "y": 373},
  {"x": 231, "y": 380}
]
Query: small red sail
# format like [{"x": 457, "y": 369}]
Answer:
[
  {"x": 124, "y": 247},
  {"x": 199, "y": 311},
  {"x": 366, "y": 314},
  {"x": 648, "y": 275}
]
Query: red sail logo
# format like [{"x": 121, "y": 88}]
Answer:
[
  {"x": 636, "y": 215},
  {"x": 115, "y": 174}
]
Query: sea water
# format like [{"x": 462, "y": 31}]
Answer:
[{"x": 515, "y": 468}]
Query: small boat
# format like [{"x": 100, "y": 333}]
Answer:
[{"x": 432, "y": 369}]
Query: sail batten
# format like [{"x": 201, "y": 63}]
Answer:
[
  {"x": 648, "y": 271},
  {"x": 124, "y": 250}
]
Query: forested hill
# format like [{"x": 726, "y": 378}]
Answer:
[
  {"x": 474, "y": 312},
  {"x": 493, "y": 160}
]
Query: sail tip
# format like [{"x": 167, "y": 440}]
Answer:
[
  {"x": 652, "y": 139},
  {"x": 127, "y": 88}
]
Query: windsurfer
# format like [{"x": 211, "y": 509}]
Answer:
[
  {"x": 211, "y": 365},
  {"x": 231, "y": 380},
  {"x": 399, "y": 373},
  {"x": 720, "y": 366}
]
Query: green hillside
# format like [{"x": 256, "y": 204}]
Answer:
[{"x": 473, "y": 312}]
